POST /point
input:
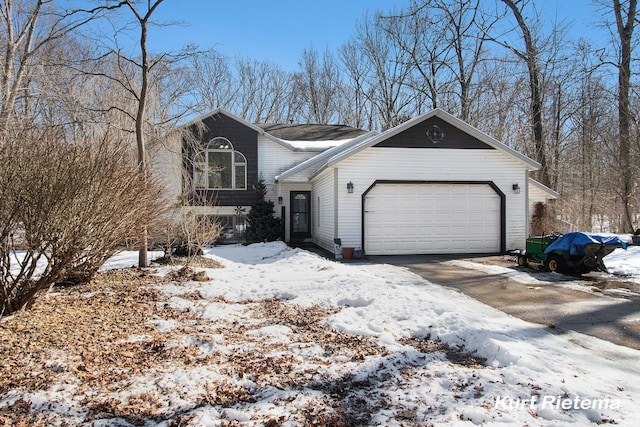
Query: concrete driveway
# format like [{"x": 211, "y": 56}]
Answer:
[{"x": 592, "y": 304}]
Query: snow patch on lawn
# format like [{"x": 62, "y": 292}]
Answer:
[{"x": 526, "y": 364}]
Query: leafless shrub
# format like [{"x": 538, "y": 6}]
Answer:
[
  {"x": 70, "y": 207},
  {"x": 189, "y": 229},
  {"x": 541, "y": 220},
  {"x": 190, "y": 233}
]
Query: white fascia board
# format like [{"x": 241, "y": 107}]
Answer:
[
  {"x": 320, "y": 158},
  {"x": 258, "y": 129},
  {"x": 481, "y": 136},
  {"x": 529, "y": 162},
  {"x": 226, "y": 113},
  {"x": 379, "y": 138},
  {"x": 552, "y": 194}
]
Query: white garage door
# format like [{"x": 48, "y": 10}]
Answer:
[{"x": 431, "y": 218}]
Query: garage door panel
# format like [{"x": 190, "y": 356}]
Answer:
[{"x": 432, "y": 218}]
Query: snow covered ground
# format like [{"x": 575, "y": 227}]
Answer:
[
  {"x": 624, "y": 262},
  {"x": 531, "y": 375}
]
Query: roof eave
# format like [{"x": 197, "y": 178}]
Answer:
[
  {"x": 226, "y": 113},
  {"x": 322, "y": 156},
  {"x": 552, "y": 193},
  {"x": 529, "y": 163},
  {"x": 252, "y": 126},
  {"x": 318, "y": 171}
]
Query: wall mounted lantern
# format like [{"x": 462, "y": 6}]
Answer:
[
  {"x": 350, "y": 187},
  {"x": 516, "y": 188},
  {"x": 279, "y": 200}
]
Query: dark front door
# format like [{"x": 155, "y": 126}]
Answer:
[{"x": 300, "y": 215}]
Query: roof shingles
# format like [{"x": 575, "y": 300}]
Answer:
[{"x": 311, "y": 132}]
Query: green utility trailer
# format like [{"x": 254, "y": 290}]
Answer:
[{"x": 571, "y": 253}]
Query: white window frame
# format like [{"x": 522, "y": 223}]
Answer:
[{"x": 201, "y": 163}]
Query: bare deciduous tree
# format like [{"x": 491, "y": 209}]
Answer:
[
  {"x": 420, "y": 34},
  {"x": 626, "y": 14},
  {"x": 319, "y": 85},
  {"x": 463, "y": 22},
  {"x": 140, "y": 93},
  {"x": 146, "y": 84},
  {"x": 211, "y": 82},
  {"x": 530, "y": 55},
  {"x": 389, "y": 70},
  {"x": 582, "y": 174},
  {"x": 445, "y": 43},
  {"x": 358, "y": 112},
  {"x": 30, "y": 27},
  {"x": 263, "y": 91}
]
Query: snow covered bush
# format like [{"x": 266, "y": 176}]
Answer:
[{"x": 65, "y": 208}]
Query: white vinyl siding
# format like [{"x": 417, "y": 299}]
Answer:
[
  {"x": 406, "y": 164},
  {"x": 166, "y": 161},
  {"x": 324, "y": 224},
  {"x": 274, "y": 159}
]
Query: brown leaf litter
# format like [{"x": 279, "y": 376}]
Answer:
[{"x": 97, "y": 339}]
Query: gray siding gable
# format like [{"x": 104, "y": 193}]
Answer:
[
  {"x": 244, "y": 140},
  {"x": 434, "y": 133},
  {"x": 445, "y": 117}
]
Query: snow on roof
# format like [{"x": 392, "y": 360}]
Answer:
[{"x": 320, "y": 145}]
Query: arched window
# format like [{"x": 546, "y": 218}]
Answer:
[{"x": 220, "y": 167}]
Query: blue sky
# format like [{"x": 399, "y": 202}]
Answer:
[{"x": 279, "y": 30}]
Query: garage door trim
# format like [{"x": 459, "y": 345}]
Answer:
[{"x": 494, "y": 187}]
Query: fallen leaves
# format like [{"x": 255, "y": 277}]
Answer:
[
  {"x": 454, "y": 355},
  {"x": 101, "y": 344}
]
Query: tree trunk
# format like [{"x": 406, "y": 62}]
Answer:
[
  {"x": 14, "y": 68},
  {"x": 140, "y": 142},
  {"x": 625, "y": 31},
  {"x": 140, "y": 114},
  {"x": 530, "y": 56}
]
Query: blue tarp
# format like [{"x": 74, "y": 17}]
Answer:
[{"x": 574, "y": 242}]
